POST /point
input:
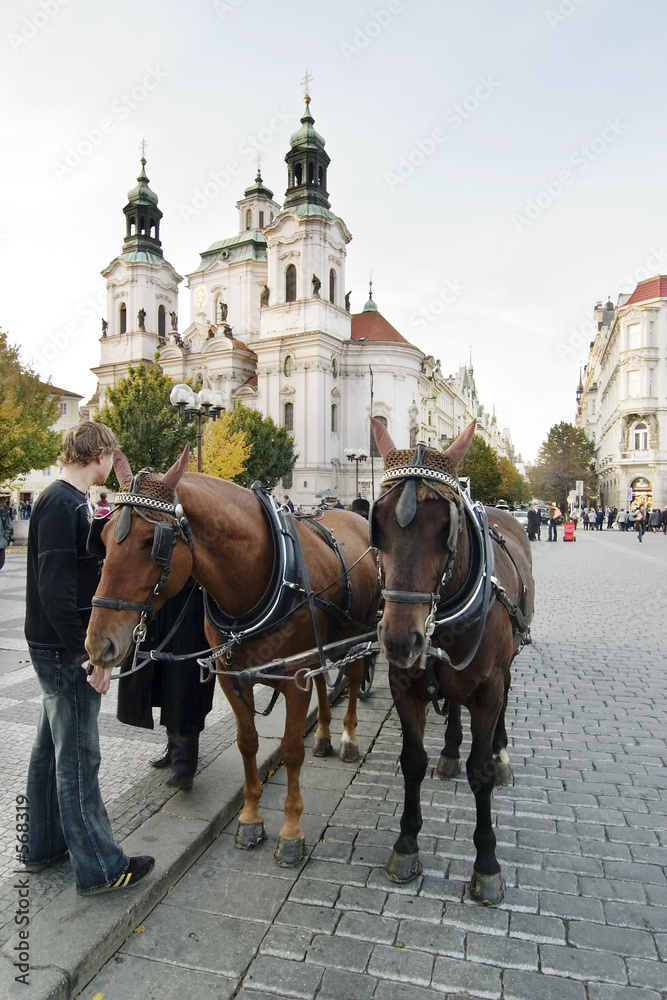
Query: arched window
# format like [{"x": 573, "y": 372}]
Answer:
[
  {"x": 288, "y": 416},
  {"x": 142, "y": 225},
  {"x": 133, "y": 226},
  {"x": 334, "y": 418},
  {"x": 261, "y": 220},
  {"x": 248, "y": 218},
  {"x": 374, "y": 448},
  {"x": 161, "y": 322},
  {"x": 298, "y": 174},
  {"x": 290, "y": 283},
  {"x": 151, "y": 229},
  {"x": 311, "y": 173},
  {"x": 332, "y": 286},
  {"x": 287, "y": 366},
  {"x": 122, "y": 318},
  {"x": 640, "y": 437},
  {"x": 320, "y": 177}
]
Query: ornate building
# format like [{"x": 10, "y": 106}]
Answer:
[
  {"x": 272, "y": 328},
  {"x": 622, "y": 397}
]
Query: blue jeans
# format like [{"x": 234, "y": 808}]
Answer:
[{"x": 64, "y": 799}]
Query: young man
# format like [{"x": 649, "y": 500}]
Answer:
[{"x": 66, "y": 811}]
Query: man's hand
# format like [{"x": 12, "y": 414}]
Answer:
[{"x": 98, "y": 677}]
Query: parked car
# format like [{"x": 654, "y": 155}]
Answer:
[
  {"x": 502, "y": 505},
  {"x": 522, "y": 518}
]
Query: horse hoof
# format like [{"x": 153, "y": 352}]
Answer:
[
  {"x": 249, "y": 835},
  {"x": 348, "y": 752},
  {"x": 448, "y": 767},
  {"x": 290, "y": 851},
  {"x": 403, "y": 867},
  {"x": 504, "y": 772},
  {"x": 489, "y": 890},
  {"x": 322, "y": 746}
]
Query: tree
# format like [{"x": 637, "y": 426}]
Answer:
[
  {"x": 513, "y": 486},
  {"x": 272, "y": 453},
  {"x": 149, "y": 429},
  {"x": 224, "y": 452},
  {"x": 481, "y": 464},
  {"x": 563, "y": 458},
  {"x": 28, "y": 410}
]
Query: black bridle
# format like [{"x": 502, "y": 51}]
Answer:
[
  {"x": 166, "y": 536},
  {"x": 406, "y": 508}
]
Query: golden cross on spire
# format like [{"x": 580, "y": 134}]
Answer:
[
  {"x": 307, "y": 80},
  {"x": 143, "y": 145}
]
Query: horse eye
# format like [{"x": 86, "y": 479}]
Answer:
[{"x": 148, "y": 542}]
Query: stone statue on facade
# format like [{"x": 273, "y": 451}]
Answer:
[
  {"x": 264, "y": 296},
  {"x": 141, "y": 316},
  {"x": 347, "y": 301},
  {"x": 224, "y": 309},
  {"x": 174, "y": 321},
  {"x": 105, "y": 327},
  {"x": 317, "y": 284}
]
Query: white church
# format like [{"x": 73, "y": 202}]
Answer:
[{"x": 273, "y": 330}]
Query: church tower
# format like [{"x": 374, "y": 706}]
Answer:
[{"x": 142, "y": 291}]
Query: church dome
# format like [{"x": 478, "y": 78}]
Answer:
[{"x": 142, "y": 194}]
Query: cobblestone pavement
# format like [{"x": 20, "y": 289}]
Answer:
[
  {"x": 581, "y": 832},
  {"x": 581, "y": 836},
  {"x": 132, "y": 790}
]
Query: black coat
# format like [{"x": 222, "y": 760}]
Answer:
[{"x": 173, "y": 687}]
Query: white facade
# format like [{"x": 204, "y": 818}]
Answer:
[
  {"x": 622, "y": 397},
  {"x": 272, "y": 329}
]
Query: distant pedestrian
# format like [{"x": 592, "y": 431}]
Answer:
[
  {"x": 656, "y": 519},
  {"x": 288, "y": 503},
  {"x": 611, "y": 517},
  {"x": 103, "y": 507},
  {"x": 663, "y": 518},
  {"x": 599, "y": 518},
  {"x": 639, "y": 521},
  {"x": 555, "y": 518},
  {"x": 534, "y": 522},
  {"x": 6, "y": 531}
]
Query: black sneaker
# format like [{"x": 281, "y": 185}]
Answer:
[
  {"x": 33, "y": 869},
  {"x": 137, "y": 869}
]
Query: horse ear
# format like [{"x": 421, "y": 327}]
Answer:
[
  {"x": 172, "y": 476},
  {"x": 382, "y": 438},
  {"x": 121, "y": 467},
  {"x": 458, "y": 449}
]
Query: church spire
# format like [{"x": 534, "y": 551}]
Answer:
[
  {"x": 142, "y": 229},
  {"x": 307, "y": 163}
]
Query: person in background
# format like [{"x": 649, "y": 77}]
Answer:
[
  {"x": 103, "y": 507},
  {"x": 288, "y": 503},
  {"x": 555, "y": 518},
  {"x": 656, "y": 519},
  {"x": 534, "y": 522},
  {"x": 639, "y": 521},
  {"x": 663, "y": 518},
  {"x": 66, "y": 811},
  {"x": 6, "y": 531}
]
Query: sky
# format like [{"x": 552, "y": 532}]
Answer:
[{"x": 498, "y": 163}]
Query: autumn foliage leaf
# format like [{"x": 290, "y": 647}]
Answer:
[{"x": 224, "y": 451}]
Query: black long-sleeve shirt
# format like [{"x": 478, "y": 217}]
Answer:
[{"x": 61, "y": 575}]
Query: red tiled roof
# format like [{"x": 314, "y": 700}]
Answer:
[
  {"x": 59, "y": 392},
  {"x": 373, "y": 326},
  {"x": 652, "y": 288}
]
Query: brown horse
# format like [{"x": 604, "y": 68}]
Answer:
[
  {"x": 458, "y": 593},
  {"x": 221, "y": 534}
]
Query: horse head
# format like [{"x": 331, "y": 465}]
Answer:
[
  {"x": 147, "y": 558},
  {"x": 415, "y": 525}
]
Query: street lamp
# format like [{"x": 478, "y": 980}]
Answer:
[
  {"x": 202, "y": 406},
  {"x": 356, "y": 455}
]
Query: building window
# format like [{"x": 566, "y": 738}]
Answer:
[
  {"x": 634, "y": 383},
  {"x": 290, "y": 283},
  {"x": 63, "y": 409},
  {"x": 248, "y": 219},
  {"x": 261, "y": 220},
  {"x": 651, "y": 333},
  {"x": 633, "y": 335},
  {"x": 332, "y": 286},
  {"x": 287, "y": 366},
  {"x": 651, "y": 381},
  {"x": 334, "y": 368},
  {"x": 334, "y": 418},
  {"x": 298, "y": 174},
  {"x": 161, "y": 322},
  {"x": 374, "y": 448},
  {"x": 311, "y": 173},
  {"x": 288, "y": 416},
  {"x": 122, "y": 316},
  {"x": 641, "y": 437}
]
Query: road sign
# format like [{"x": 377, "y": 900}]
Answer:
[
  {"x": 630, "y": 493},
  {"x": 580, "y": 487}
]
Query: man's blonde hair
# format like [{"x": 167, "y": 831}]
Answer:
[{"x": 87, "y": 442}]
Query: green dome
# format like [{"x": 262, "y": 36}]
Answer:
[
  {"x": 142, "y": 194},
  {"x": 306, "y": 135}
]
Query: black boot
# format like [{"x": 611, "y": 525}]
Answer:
[
  {"x": 184, "y": 759},
  {"x": 164, "y": 760}
]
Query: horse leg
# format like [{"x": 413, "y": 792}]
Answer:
[
  {"x": 291, "y": 847},
  {"x": 449, "y": 763},
  {"x": 487, "y": 884},
  {"x": 404, "y": 863},
  {"x": 322, "y": 738},
  {"x": 250, "y": 830},
  {"x": 504, "y": 773},
  {"x": 349, "y": 748}
]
